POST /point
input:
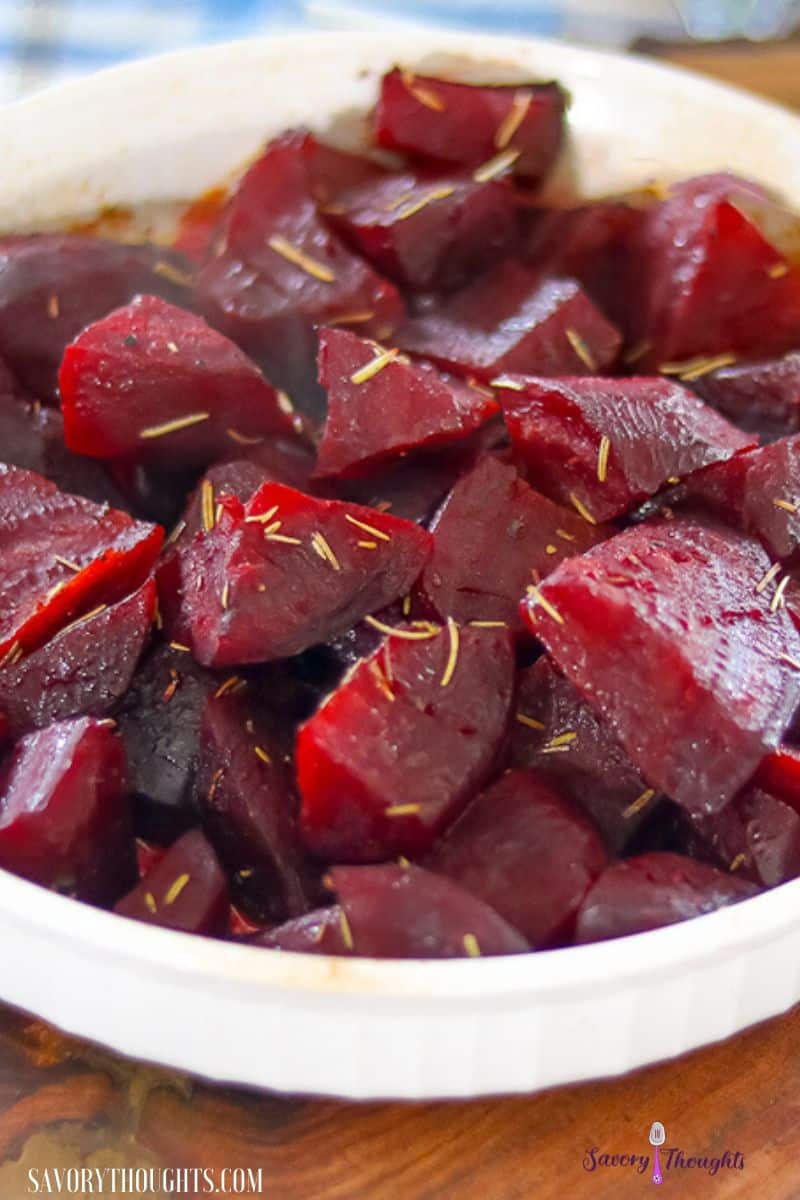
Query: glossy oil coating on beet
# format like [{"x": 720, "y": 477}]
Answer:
[
  {"x": 185, "y": 890},
  {"x": 611, "y": 443},
  {"x": 61, "y": 556},
  {"x": 85, "y": 669},
  {"x": 395, "y": 753},
  {"x": 756, "y": 836},
  {"x": 510, "y": 320},
  {"x": 52, "y": 285},
  {"x": 402, "y": 406},
  {"x": 762, "y": 397},
  {"x": 288, "y": 571},
  {"x": 448, "y": 122},
  {"x": 493, "y": 535},
  {"x": 64, "y": 819},
  {"x": 559, "y": 734},
  {"x": 526, "y": 851},
  {"x": 713, "y": 686},
  {"x": 653, "y": 890},
  {"x": 323, "y": 931},
  {"x": 408, "y": 912}
]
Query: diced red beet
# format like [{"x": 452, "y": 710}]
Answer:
[
  {"x": 713, "y": 686},
  {"x": 559, "y": 734},
  {"x": 408, "y": 912},
  {"x": 510, "y": 320},
  {"x": 398, "y": 750},
  {"x": 611, "y": 443},
  {"x": 185, "y": 890},
  {"x": 527, "y": 852},
  {"x": 319, "y": 932},
  {"x": 428, "y": 232},
  {"x": 84, "y": 669},
  {"x": 249, "y": 810},
  {"x": 756, "y": 836},
  {"x": 61, "y": 555},
  {"x": 644, "y": 893},
  {"x": 154, "y": 383},
  {"x": 779, "y": 773},
  {"x": 492, "y": 536},
  {"x": 278, "y": 271},
  {"x": 64, "y": 819},
  {"x": 402, "y": 406},
  {"x": 287, "y": 571},
  {"x": 466, "y": 124},
  {"x": 762, "y": 397},
  {"x": 52, "y": 285}
]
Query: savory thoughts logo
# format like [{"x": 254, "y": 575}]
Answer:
[{"x": 665, "y": 1160}]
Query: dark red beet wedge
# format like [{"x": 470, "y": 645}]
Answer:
[
  {"x": 757, "y": 837},
  {"x": 512, "y": 321},
  {"x": 381, "y": 406},
  {"x": 397, "y": 751},
  {"x": 527, "y": 852},
  {"x": 558, "y": 733},
  {"x": 186, "y": 890},
  {"x": 492, "y": 537},
  {"x": 64, "y": 819},
  {"x": 52, "y": 285},
  {"x": 664, "y": 631},
  {"x": 607, "y": 444},
  {"x": 287, "y": 572},
  {"x": 61, "y": 555},
  {"x": 154, "y": 383},
  {"x": 322, "y": 931},
  {"x": 761, "y": 397},
  {"x": 249, "y": 810},
  {"x": 85, "y": 669},
  {"x": 654, "y": 890},
  {"x": 407, "y": 912},
  {"x": 448, "y": 122}
]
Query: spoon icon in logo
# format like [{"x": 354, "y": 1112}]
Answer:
[{"x": 657, "y": 1138}]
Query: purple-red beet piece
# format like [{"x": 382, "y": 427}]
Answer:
[
  {"x": 185, "y": 890},
  {"x": 443, "y": 121},
  {"x": 756, "y": 836},
  {"x": 762, "y": 397},
  {"x": 64, "y": 819},
  {"x": 512, "y": 321},
  {"x": 322, "y": 931},
  {"x": 656, "y": 889},
  {"x": 381, "y": 407},
  {"x": 610, "y": 443},
  {"x": 664, "y": 632},
  {"x": 410, "y": 735},
  {"x": 527, "y": 852}
]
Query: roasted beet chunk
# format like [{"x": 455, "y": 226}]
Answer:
[
  {"x": 510, "y": 320},
  {"x": 527, "y": 852},
  {"x": 491, "y": 537},
  {"x": 559, "y": 734},
  {"x": 154, "y": 383},
  {"x": 287, "y": 571},
  {"x": 61, "y": 555},
  {"x": 761, "y": 397},
  {"x": 757, "y": 836},
  {"x": 185, "y": 890},
  {"x": 407, "y": 912},
  {"x": 86, "y": 668},
  {"x": 396, "y": 752},
  {"x": 609, "y": 443},
  {"x": 653, "y": 890},
  {"x": 322, "y": 931},
  {"x": 663, "y": 630},
  {"x": 53, "y": 285},
  {"x": 278, "y": 271},
  {"x": 64, "y": 818},
  {"x": 249, "y": 809},
  {"x": 381, "y": 406},
  {"x": 465, "y": 124}
]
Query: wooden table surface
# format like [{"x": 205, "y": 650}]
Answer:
[{"x": 63, "y": 1104}]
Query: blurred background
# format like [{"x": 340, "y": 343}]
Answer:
[{"x": 43, "y": 41}]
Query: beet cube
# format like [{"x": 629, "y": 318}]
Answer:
[
  {"x": 607, "y": 444},
  {"x": 756, "y": 836},
  {"x": 664, "y": 632},
  {"x": 510, "y": 320},
  {"x": 411, "y": 734},
  {"x": 64, "y": 819},
  {"x": 762, "y": 397},
  {"x": 654, "y": 890},
  {"x": 185, "y": 890},
  {"x": 448, "y": 122},
  {"x": 402, "y": 406},
  {"x": 408, "y": 912},
  {"x": 322, "y": 931}
]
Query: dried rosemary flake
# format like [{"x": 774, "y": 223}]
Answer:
[
  {"x": 347, "y": 934},
  {"x": 581, "y": 509},
  {"x": 368, "y": 545},
  {"x": 370, "y": 529},
  {"x": 299, "y": 258},
  {"x": 101, "y": 608},
  {"x": 511, "y": 385},
  {"x": 537, "y": 598},
  {"x": 53, "y": 306},
  {"x": 10, "y": 655},
  {"x": 488, "y": 624},
  {"x": 66, "y": 562},
  {"x": 737, "y": 862},
  {"x": 180, "y": 423},
  {"x": 284, "y": 402},
  {"x": 177, "y": 531},
  {"x": 261, "y": 753},
  {"x": 176, "y": 889},
  {"x": 262, "y": 518},
  {"x": 561, "y": 739},
  {"x": 150, "y": 901},
  {"x": 322, "y": 547},
  {"x": 602, "y": 458},
  {"x": 637, "y": 351},
  {"x": 424, "y": 95},
  {"x": 777, "y": 600},
  {"x": 638, "y": 804},
  {"x": 207, "y": 505},
  {"x": 529, "y": 722},
  {"x": 172, "y": 686},
  {"x": 786, "y": 505},
  {"x": 173, "y": 347},
  {"x": 410, "y": 635},
  {"x": 496, "y": 166},
  {"x": 550, "y": 548},
  {"x": 402, "y": 810},
  {"x": 581, "y": 349},
  {"x": 695, "y": 368},
  {"x": 168, "y": 271},
  {"x": 227, "y": 686},
  {"x": 281, "y": 537},
  {"x": 273, "y": 527},
  {"x": 406, "y": 606},
  {"x": 242, "y": 439},
  {"x": 430, "y": 198},
  {"x": 381, "y": 680},
  {"x": 452, "y": 657},
  {"x": 565, "y": 536},
  {"x": 352, "y": 318},
  {"x": 215, "y": 778},
  {"x": 511, "y": 122},
  {"x": 225, "y": 595},
  {"x": 791, "y": 662},
  {"x": 370, "y": 369},
  {"x": 179, "y": 646},
  {"x": 402, "y": 861},
  {"x": 767, "y": 578},
  {"x": 471, "y": 946},
  {"x": 778, "y": 270}
]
